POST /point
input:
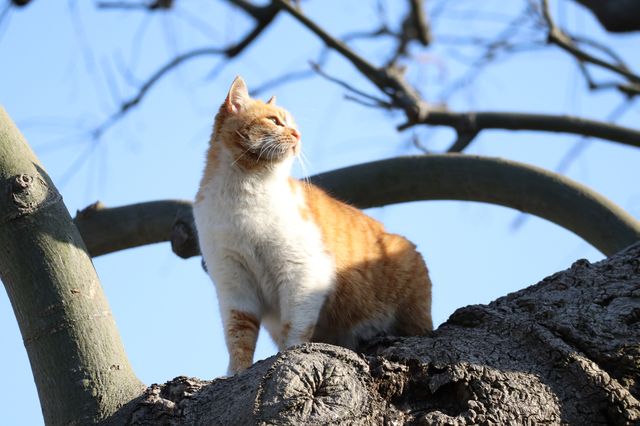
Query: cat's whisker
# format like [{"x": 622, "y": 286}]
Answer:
[
  {"x": 243, "y": 137},
  {"x": 264, "y": 147},
  {"x": 240, "y": 156},
  {"x": 303, "y": 161},
  {"x": 275, "y": 148}
]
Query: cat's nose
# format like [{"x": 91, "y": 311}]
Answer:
[{"x": 295, "y": 134}]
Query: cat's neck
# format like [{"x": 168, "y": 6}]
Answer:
[{"x": 231, "y": 176}]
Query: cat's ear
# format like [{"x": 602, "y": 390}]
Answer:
[
  {"x": 238, "y": 97},
  {"x": 272, "y": 100}
]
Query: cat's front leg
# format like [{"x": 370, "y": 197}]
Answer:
[
  {"x": 241, "y": 312},
  {"x": 241, "y": 333},
  {"x": 301, "y": 306}
]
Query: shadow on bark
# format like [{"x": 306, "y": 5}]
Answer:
[{"x": 565, "y": 350}]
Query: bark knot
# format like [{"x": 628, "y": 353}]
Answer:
[
  {"x": 314, "y": 387},
  {"x": 27, "y": 194}
]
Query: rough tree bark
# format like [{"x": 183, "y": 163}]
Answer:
[{"x": 566, "y": 350}]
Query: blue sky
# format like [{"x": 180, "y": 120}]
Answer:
[{"x": 66, "y": 68}]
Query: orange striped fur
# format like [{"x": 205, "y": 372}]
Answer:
[{"x": 376, "y": 271}]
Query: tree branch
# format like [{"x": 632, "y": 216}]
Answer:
[
  {"x": 558, "y": 37},
  {"x": 147, "y": 6},
  {"x": 432, "y": 177},
  {"x": 563, "y": 351},
  {"x": 473, "y": 122},
  {"x": 263, "y": 15},
  {"x": 151, "y": 81},
  {"x": 388, "y": 80},
  {"x": 78, "y": 362},
  {"x": 420, "y": 23},
  {"x": 144, "y": 223},
  {"x": 619, "y": 16}
]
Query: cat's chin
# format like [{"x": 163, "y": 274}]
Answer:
[
  {"x": 281, "y": 156},
  {"x": 256, "y": 161}
]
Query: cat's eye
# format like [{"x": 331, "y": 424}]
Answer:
[{"x": 275, "y": 120}]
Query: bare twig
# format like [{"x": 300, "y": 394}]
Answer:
[
  {"x": 263, "y": 15},
  {"x": 4, "y": 11},
  {"x": 349, "y": 87},
  {"x": 558, "y": 37},
  {"x": 142, "y": 91},
  {"x": 420, "y": 23},
  {"x": 388, "y": 80},
  {"x": 630, "y": 89},
  {"x": 282, "y": 79},
  {"x": 149, "y": 5},
  {"x": 502, "y": 43},
  {"x": 462, "y": 141},
  {"x": 414, "y": 27}
]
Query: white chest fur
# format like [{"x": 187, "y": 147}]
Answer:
[{"x": 263, "y": 256}]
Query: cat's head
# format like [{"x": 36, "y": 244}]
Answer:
[{"x": 254, "y": 132}]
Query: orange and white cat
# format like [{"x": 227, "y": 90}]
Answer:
[{"x": 284, "y": 254}]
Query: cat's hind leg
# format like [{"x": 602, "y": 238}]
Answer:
[{"x": 413, "y": 318}]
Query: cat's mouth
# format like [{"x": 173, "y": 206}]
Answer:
[{"x": 275, "y": 151}]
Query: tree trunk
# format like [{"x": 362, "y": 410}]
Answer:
[
  {"x": 78, "y": 362},
  {"x": 566, "y": 350}
]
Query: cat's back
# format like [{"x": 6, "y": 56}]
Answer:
[{"x": 349, "y": 234}]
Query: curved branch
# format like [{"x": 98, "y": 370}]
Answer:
[
  {"x": 433, "y": 177},
  {"x": 473, "y": 122}
]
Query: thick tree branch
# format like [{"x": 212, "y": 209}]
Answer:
[
  {"x": 145, "y": 223},
  {"x": 563, "y": 351},
  {"x": 474, "y": 122},
  {"x": 78, "y": 362},
  {"x": 618, "y": 16},
  {"x": 432, "y": 177}
]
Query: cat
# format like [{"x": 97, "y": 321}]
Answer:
[{"x": 284, "y": 254}]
